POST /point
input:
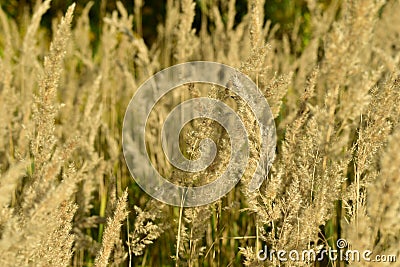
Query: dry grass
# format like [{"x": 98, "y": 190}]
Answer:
[{"x": 335, "y": 96}]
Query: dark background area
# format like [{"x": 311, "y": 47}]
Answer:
[{"x": 283, "y": 12}]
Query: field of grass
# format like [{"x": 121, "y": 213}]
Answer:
[{"x": 332, "y": 81}]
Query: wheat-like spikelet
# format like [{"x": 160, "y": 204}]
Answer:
[
  {"x": 331, "y": 78},
  {"x": 112, "y": 231}
]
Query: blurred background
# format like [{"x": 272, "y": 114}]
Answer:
[{"x": 282, "y": 12}]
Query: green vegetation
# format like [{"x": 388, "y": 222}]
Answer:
[{"x": 330, "y": 73}]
